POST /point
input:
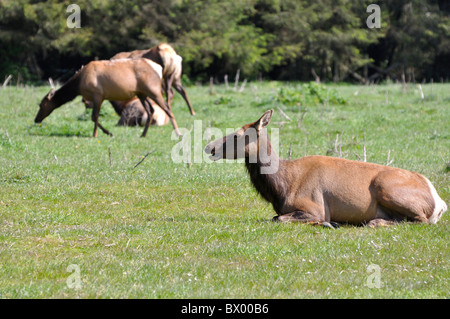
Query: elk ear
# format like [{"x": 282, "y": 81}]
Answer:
[
  {"x": 264, "y": 120},
  {"x": 50, "y": 94}
]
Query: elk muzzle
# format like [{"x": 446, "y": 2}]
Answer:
[{"x": 211, "y": 149}]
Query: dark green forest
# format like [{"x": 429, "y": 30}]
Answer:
[{"x": 326, "y": 40}]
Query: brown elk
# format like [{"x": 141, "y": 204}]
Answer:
[
  {"x": 324, "y": 190},
  {"x": 132, "y": 112},
  {"x": 116, "y": 80},
  {"x": 164, "y": 55}
]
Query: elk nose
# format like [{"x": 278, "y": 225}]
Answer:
[{"x": 210, "y": 149}]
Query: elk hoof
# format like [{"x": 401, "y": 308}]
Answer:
[
  {"x": 335, "y": 225},
  {"x": 275, "y": 219},
  {"x": 328, "y": 225}
]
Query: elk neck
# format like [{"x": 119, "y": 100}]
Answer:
[
  {"x": 68, "y": 91},
  {"x": 153, "y": 55},
  {"x": 271, "y": 186}
]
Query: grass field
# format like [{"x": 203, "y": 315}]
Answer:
[{"x": 77, "y": 220}]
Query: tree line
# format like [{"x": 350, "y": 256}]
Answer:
[{"x": 326, "y": 40}]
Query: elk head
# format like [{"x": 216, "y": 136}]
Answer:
[
  {"x": 247, "y": 142},
  {"x": 45, "y": 107}
]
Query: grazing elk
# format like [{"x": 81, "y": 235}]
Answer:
[
  {"x": 116, "y": 80},
  {"x": 164, "y": 55},
  {"x": 325, "y": 190}
]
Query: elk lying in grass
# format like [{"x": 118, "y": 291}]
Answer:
[
  {"x": 116, "y": 80},
  {"x": 132, "y": 112},
  {"x": 164, "y": 55},
  {"x": 325, "y": 190}
]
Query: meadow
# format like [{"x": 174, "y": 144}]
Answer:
[{"x": 79, "y": 219}]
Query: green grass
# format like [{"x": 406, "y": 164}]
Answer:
[{"x": 172, "y": 230}]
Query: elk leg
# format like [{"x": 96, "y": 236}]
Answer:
[
  {"x": 303, "y": 217},
  {"x": 104, "y": 130},
  {"x": 306, "y": 211},
  {"x": 149, "y": 110},
  {"x": 155, "y": 94},
  {"x": 380, "y": 222},
  {"x": 170, "y": 98},
  {"x": 180, "y": 89},
  {"x": 166, "y": 108},
  {"x": 152, "y": 109},
  {"x": 168, "y": 90},
  {"x": 390, "y": 189},
  {"x": 95, "y": 115}
]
